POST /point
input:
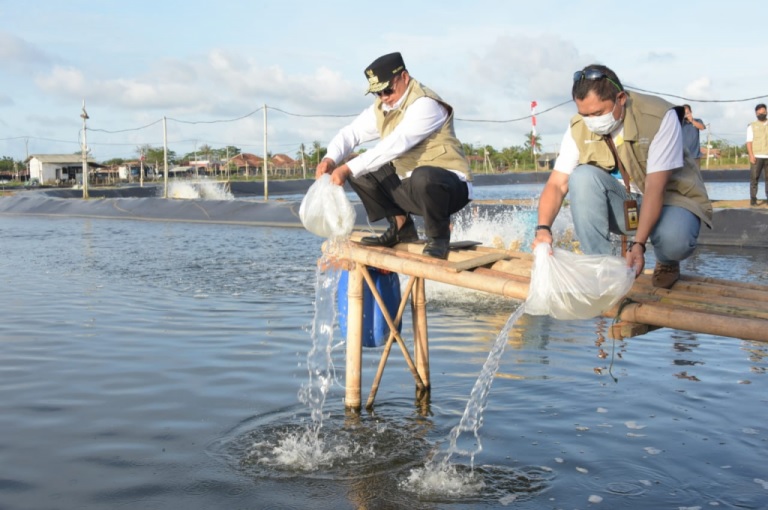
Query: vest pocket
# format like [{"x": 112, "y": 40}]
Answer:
[{"x": 432, "y": 153}]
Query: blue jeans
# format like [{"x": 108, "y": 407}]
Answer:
[{"x": 597, "y": 206}]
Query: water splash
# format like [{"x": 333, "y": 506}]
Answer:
[
  {"x": 306, "y": 449},
  {"x": 439, "y": 475},
  {"x": 202, "y": 189}
]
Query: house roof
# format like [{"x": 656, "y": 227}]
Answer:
[
  {"x": 244, "y": 157},
  {"x": 283, "y": 160},
  {"x": 59, "y": 158}
]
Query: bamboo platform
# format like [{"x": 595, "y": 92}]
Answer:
[{"x": 696, "y": 304}]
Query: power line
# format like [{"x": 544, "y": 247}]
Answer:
[
  {"x": 314, "y": 115},
  {"x": 300, "y": 115},
  {"x": 216, "y": 121},
  {"x": 519, "y": 118},
  {"x": 698, "y": 100},
  {"x": 126, "y": 130}
]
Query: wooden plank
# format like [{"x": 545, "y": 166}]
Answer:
[{"x": 488, "y": 258}]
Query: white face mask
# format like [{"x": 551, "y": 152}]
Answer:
[{"x": 603, "y": 124}]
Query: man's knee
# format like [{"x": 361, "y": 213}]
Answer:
[
  {"x": 586, "y": 179},
  {"x": 674, "y": 244}
]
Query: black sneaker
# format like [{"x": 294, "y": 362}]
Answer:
[
  {"x": 752, "y": 201},
  {"x": 393, "y": 236}
]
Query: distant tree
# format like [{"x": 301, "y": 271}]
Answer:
[
  {"x": 301, "y": 154},
  {"x": 114, "y": 162},
  {"x": 229, "y": 151},
  {"x": 532, "y": 141},
  {"x": 6, "y": 164},
  {"x": 318, "y": 153},
  {"x": 206, "y": 151},
  {"x": 142, "y": 150}
]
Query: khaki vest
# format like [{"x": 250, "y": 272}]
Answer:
[
  {"x": 759, "y": 138},
  {"x": 441, "y": 148},
  {"x": 641, "y": 123}
]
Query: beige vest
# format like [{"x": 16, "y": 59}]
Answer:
[
  {"x": 759, "y": 138},
  {"x": 641, "y": 123},
  {"x": 441, "y": 148}
]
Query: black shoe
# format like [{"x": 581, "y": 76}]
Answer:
[
  {"x": 393, "y": 236},
  {"x": 437, "y": 247},
  {"x": 752, "y": 201}
]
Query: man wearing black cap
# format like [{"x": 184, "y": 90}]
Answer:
[{"x": 417, "y": 167}]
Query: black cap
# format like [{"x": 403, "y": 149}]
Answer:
[{"x": 382, "y": 70}]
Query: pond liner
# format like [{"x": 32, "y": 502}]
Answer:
[{"x": 739, "y": 227}]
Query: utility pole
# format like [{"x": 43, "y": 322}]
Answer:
[
  {"x": 266, "y": 157},
  {"x": 141, "y": 168},
  {"x": 26, "y": 161},
  {"x": 165, "y": 159},
  {"x": 709, "y": 146},
  {"x": 85, "y": 117},
  {"x": 303, "y": 163}
]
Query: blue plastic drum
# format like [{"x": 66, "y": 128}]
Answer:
[{"x": 375, "y": 328}]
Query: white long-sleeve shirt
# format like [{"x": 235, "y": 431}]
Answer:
[{"x": 422, "y": 118}]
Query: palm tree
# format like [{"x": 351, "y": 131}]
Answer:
[{"x": 533, "y": 145}]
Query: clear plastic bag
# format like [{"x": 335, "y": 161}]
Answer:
[
  {"x": 326, "y": 211},
  {"x": 565, "y": 285}
]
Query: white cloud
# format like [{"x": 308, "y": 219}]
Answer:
[{"x": 17, "y": 52}]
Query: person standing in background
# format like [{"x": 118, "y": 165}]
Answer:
[
  {"x": 691, "y": 128},
  {"x": 757, "y": 148}
]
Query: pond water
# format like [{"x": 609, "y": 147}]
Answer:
[
  {"x": 716, "y": 190},
  {"x": 160, "y": 365}
]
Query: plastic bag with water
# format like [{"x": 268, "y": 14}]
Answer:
[
  {"x": 326, "y": 211},
  {"x": 565, "y": 285}
]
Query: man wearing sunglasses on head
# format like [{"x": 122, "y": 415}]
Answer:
[
  {"x": 417, "y": 167},
  {"x": 622, "y": 161}
]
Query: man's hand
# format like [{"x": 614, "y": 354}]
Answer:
[
  {"x": 340, "y": 175},
  {"x": 636, "y": 258},
  {"x": 326, "y": 166},
  {"x": 542, "y": 236}
]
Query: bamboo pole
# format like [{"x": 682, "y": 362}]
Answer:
[
  {"x": 642, "y": 292},
  {"x": 354, "y": 338},
  {"x": 392, "y": 329},
  {"x": 689, "y": 320},
  {"x": 388, "y": 345},
  {"x": 420, "y": 339},
  {"x": 690, "y": 302},
  {"x": 430, "y": 270},
  {"x": 720, "y": 281},
  {"x": 511, "y": 278}
]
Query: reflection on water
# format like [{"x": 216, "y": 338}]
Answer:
[{"x": 151, "y": 365}]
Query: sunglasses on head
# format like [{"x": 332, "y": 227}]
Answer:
[
  {"x": 589, "y": 74},
  {"x": 593, "y": 75}
]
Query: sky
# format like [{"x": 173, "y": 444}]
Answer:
[{"x": 210, "y": 68}]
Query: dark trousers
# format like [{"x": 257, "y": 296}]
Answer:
[
  {"x": 430, "y": 192},
  {"x": 754, "y": 176}
]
